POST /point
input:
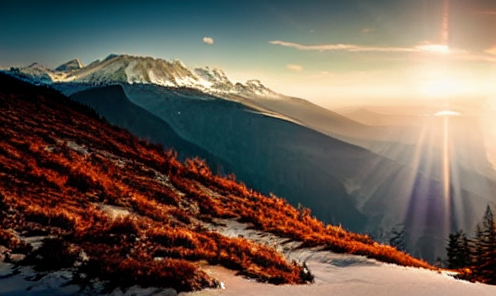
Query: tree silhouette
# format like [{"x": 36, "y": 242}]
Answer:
[
  {"x": 487, "y": 265},
  {"x": 458, "y": 250},
  {"x": 478, "y": 254}
]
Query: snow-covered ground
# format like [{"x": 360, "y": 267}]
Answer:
[
  {"x": 335, "y": 274},
  {"x": 349, "y": 276},
  {"x": 339, "y": 274}
]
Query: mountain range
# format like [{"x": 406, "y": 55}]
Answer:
[{"x": 130, "y": 69}]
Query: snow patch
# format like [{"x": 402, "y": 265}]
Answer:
[{"x": 341, "y": 274}]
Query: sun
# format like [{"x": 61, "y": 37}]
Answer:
[{"x": 437, "y": 80}]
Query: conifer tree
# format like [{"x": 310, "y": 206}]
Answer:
[
  {"x": 487, "y": 266},
  {"x": 458, "y": 250},
  {"x": 452, "y": 250},
  {"x": 478, "y": 248},
  {"x": 465, "y": 254}
]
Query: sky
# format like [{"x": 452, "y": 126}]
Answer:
[{"x": 324, "y": 51}]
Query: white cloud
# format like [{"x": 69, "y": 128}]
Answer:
[
  {"x": 296, "y": 68},
  {"x": 208, "y": 40},
  {"x": 423, "y": 48},
  {"x": 342, "y": 47}
]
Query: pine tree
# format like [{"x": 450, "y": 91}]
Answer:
[
  {"x": 478, "y": 248},
  {"x": 458, "y": 250},
  {"x": 487, "y": 266},
  {"x": 452, "y": 250},
  {"x": 465, "y": 254}
]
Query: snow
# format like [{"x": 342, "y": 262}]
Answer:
[
  {"x": 132, "y": 76},
  {"x": 155, "y": 79},
  {"x": 132, "y": 69},
  {"x": 339, "y": 274},
  {"x": 335, "y": 274},
  {"x": 70, "y": 66},
  {"x": 351, "y": 279},
  {"x": 186, "y": 81}
]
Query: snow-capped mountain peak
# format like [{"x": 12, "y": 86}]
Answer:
[
  {"x": 212, "y": 74},
  {"x": 147, "y": 70},
  {"x": 71, "y": 65}
]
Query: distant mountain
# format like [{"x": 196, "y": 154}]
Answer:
[
  {"x": 147, "y": 70},
  {"x": 70, "y": 66}
]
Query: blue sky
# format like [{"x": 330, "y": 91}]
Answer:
[{"x": 307, "y": 48}]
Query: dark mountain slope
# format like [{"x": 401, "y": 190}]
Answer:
[
  {"x": 267, "y": 153},
  {"x": 112, "y": 103}
]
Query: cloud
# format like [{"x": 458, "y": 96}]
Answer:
[
  {"x": 489, "y": 55},
  {"x": 208, "y": 40},
  {"x": 491, "y": 50},
  {"x": 424, "y": 47},
  {"x": 366, "y": 30},
  {"x": 342, "y": 47},
  {"x": 296, "y": 68}
]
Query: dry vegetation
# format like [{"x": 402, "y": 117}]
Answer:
[{"x": 128, "y": 212}]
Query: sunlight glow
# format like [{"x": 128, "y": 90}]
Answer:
[
  {"x": 435, "y": 48},
  {"x": 442, "y": 87},
  {"x": 447, "y": 113},
  {"x": 446, "y": 172}
]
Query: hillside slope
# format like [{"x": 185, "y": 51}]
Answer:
[
  {"x": 340, "y": 182},
  {"x": 112, "y": 103},
  {"x": 106, "y": 205}
]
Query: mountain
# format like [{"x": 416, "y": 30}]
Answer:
[
  {"x": 148, "y": 70},
  {"x": 70, "y": 66},
  {"x": 34, "y": 73},
  {"x": 92, "y": 208},
  {"x": 112, "y": 103},
  {"x": 267, "y": 153},
  {"x": 340, "y": 182}
]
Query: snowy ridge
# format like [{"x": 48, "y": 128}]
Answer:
[
  {"x": 146, "y": 70},
  {"x": 70, "y": 66}
]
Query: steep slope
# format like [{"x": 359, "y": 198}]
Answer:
[
  {"x": 111, "y": 102},
  {"x": 314, "y": 117},
  {"x": 268, "y": 153},
  {"x": 340, "y": 182},
  {"x": 108, "y": 206}
]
